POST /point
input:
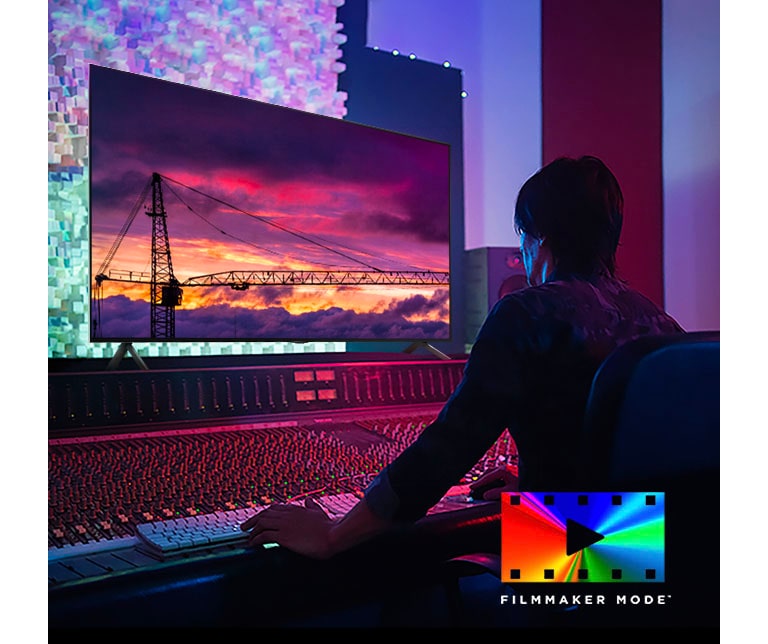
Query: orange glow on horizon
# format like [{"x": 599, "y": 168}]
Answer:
[{"x": 296, "y": 300}]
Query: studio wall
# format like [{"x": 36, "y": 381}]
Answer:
[
  {"x": 675, "y": 254},
  {"x": 601, "y": 96},
  {"x": 691, "y": 161}
]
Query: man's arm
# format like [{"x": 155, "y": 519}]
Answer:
[{"x": 469, "y": 423}]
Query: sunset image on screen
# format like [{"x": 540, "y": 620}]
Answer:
[{"x": 220, "y": 217}]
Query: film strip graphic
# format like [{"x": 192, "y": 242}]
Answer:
[{"x": 582, "y": 537}]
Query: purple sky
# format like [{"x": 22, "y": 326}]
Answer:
[{"x": 253, "y": 186}]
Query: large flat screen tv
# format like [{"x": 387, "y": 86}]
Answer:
[{"x": 215, "y": 217}]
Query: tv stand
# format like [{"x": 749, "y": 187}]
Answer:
[
  {"x": 120, "y": 354},
  {"x": 412, "y": 347}
]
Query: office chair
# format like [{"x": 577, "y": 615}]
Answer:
[
  {"x": 652, "y": 423},
  {"x": 653, "y": 413}
]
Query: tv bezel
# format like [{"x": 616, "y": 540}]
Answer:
[{"x": 412, "y": 341}]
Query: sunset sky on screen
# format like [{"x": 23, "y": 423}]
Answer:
[{"x": 250, "y": 186}]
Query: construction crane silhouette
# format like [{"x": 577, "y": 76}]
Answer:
[{"x": 166, "y": 291}]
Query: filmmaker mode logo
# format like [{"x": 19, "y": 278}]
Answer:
[{"x": 582, "y": 536}]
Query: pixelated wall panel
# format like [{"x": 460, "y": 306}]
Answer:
[{"x": 281, "y": 52}]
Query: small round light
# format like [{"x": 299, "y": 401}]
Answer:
[
  {"x": 464, "y": 93},
  {"x": 395, "y": 52},
  {"x": 446, "y": 64},
  {"x": 376, "y": 48},
  {"x": 412, "y": 56}
]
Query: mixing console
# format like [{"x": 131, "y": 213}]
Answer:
[
  {"x": 157, "y": 468},
  {"x": 102, "y": 487}
]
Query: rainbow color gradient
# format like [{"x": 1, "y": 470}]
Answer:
[{"x": 582, "y": 537}]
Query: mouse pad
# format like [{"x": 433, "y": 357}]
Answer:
[{"x": 582, "y": 537}]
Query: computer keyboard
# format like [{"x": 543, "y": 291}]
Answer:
[{"x": 190, "y": 535}]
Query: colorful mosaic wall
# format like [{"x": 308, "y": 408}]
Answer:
[{"x": 284, "y": 52}]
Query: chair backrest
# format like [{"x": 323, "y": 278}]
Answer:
[
  {"x": 653, "y": 414},
  {"x": 653, "y": 425}
]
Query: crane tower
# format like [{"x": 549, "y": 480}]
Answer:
[{"x": 165, "y": 292}]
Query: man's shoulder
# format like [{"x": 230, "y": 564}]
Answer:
[
  {"x": 574, "y": 298},
  {"x": 553, "y": 295}
]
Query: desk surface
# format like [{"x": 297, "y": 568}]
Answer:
[{"x": 272, "y": 587}]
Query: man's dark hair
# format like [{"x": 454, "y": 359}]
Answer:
[{"x": 577, "y": 204}]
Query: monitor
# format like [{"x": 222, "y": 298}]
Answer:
[{"x": 216, "y": 217}]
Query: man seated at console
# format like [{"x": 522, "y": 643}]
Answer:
[{"x": 530, "y": 368}]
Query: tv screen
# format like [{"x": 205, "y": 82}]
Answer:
[{"x": 218, "y": 217}]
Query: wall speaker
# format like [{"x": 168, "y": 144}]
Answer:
[{"x": 490, "y": 273}]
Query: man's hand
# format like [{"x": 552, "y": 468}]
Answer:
[
  {"x": 493, "y": 482},
  {"x": 309, "y": 531},
  {"x": 305, "y": 530}
]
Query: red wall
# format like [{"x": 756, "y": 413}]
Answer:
[{"x": 601, "y": 95}]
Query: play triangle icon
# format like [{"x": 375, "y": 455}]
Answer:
[{"x": 578, "y": 536}]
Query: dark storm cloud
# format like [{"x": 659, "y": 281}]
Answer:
[
  {"x": 423, "y": 218},
  {"x": 174, "y": 126},
  {"x": 274, "y": 294},
  {"x": 418, "y": 304},
  {"x": 119, "y": 191},
  {"x": 278, "y": 324},
  {"x": 179, "y": 126},
  {"x": 428, "y": 212},
  {"x": 124, "y": 319}
]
